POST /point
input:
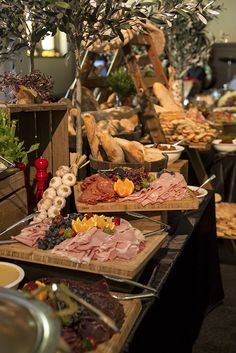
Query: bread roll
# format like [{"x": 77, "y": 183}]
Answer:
[
  {"x": 91, "y": 131},
  {"x": 127, "y": 124},
  {"x": 133, "y": 150},
  {"x": 165, "y": 97},
  {"x": 111, "y": 147}
]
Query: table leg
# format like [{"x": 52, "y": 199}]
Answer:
[{"x": 199, "y": 169}]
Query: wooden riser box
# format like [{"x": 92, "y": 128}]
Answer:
[{"x": 13, "y": 199}]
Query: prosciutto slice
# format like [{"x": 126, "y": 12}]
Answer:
[
  {"x": 125, "y": 243},
  {"x": 167, "y": 187},
  {"x": 30, "y": 235}
]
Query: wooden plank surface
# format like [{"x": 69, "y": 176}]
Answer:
[
  {"x": 132, "y": 310},
  {"x": 189, "y": 203},
  {"x": 11, "y": 183},
  {"x": 16, "y": 108},
  {"x": 123, "y": 268},
  {"x": 13, "y": 208}
]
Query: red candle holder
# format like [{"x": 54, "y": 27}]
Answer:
[{"x": 41, "y": 165}]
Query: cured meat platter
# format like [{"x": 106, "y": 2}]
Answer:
[
  {"x": 123, "y": 268},
  {"x": 132, "y": 309},
  {"x": 188, "y": 203},
  {"x": 127, "y": 268}
]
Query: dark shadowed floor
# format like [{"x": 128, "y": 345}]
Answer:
[{"x": 218, "y": 332}]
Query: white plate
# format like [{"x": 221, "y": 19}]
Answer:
[
  {"x": 224, "y": 147},
  {"x": 202, "y": 192}
]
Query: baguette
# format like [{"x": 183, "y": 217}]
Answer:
[
  {"x": 91, "y": 131},
  {"x": 113, "y": 150},
  {"x": 165, "y": 97},
  {"x": 133, "y": 150}
]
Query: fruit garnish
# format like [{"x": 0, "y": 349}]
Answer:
[
  {"x": 88, "y": 215},
  {"x": 32, "y": 286},
  {"x": 57, "y": 218},
  {"x": 116, "y": 220},
  {"x": 86, "y": 224},
  {"x": 68, "y": 233},
  {"x": 124, "y": 187}
]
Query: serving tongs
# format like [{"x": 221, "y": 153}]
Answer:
[
  {"x": 61, "y": 291},
  {"x": 22, "y": 221},
  {"x": 150, "y": 291},
  {"x": 142, "y": 216}
]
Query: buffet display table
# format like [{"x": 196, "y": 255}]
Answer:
[
  {"x": 185, "y": 271},
  {"x": 187, "y": 275}
]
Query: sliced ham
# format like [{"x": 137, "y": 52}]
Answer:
[
  {"x": 30, "y": 235},
  {"x": 168, "y": 187},
  {"x": 124, "y": 243}
]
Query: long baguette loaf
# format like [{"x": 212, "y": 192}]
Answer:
[
  {"x": 165, "y": 97},
  {"x": 91, "y": 131},
  {"x": 111, "y": 147},
  {"x": 133, "y": 150}
]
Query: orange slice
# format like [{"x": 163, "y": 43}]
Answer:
[{"x": 124, "y": 188}]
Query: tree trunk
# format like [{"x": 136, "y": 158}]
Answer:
[
  {"x": 32, "y": 59},
  {"x": 77, "y": 103}
]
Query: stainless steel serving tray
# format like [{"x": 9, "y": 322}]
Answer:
[{"x": 26, "y": 325}]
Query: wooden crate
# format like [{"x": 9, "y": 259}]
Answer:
[
  {"x": 46, "y": 124},
  {"x": 13, "y": 198}
]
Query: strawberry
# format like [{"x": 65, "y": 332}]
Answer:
[{"x": 116, "y": 220}]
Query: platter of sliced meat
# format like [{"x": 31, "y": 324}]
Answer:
[
  {"x": 111, "y": 193},
  {"x": 87, "y": 242},
  {"x": 82, "y": 329}
]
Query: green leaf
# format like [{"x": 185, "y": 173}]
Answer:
[{"x": 63, "y": 5}]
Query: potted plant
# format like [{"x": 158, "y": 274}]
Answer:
[
  {"x": 11, "y": 147},
  {"x": 121, "y": 83}
]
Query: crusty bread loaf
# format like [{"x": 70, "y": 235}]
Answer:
[
  {"x": 111, "y": 147},
  {"x": 133, "y": 150},
  {"x": 127, "y": 125},
  {"x": 159, "y": 109},
  {"x": 91, "y": 131},
  {"x": 152, "y": 154},
  {"x": 165, "y": 97}
]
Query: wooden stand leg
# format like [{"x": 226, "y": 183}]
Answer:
[{"x": 198, "y": 166}]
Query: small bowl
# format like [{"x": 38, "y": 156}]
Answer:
[
  {"x": 173, "y": 155},
  {"x": 201, "y": 192},
  {"x": 224, "y": 147},
  {"x": 13, "y": 275}
]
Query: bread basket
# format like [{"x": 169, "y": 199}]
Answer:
[{"x": 155, "y": 166}]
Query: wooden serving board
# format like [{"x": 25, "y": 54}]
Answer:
[
  {"x": 200, "y": 145},
  {"x": 123, "y": 268},
  {"x": 132, "y": 310},
  {"x": 189, "y": 203}
]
